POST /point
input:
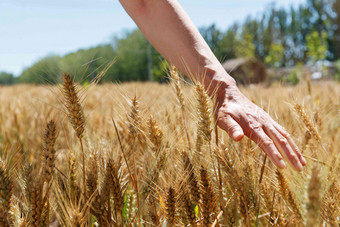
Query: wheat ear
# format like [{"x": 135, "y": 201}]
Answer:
[
  {"x": 209, "y": 199},
  {"x": 331, "y": 205},
  {"x": 35, "y": 202},
  {"x": 180, "y": 98},
  {"x": 204, "y": 113},
  {"x": 49, "y": 151},
  {"x": 92, "y": 188},
  {"x": 6, "y": 188},
  {"x": 308, "y": 123},
  {"x": 75, "y": 115},
  {"x": 192, "y": 178},
  {"x": 73, "y": 106},
  {"x": 188, "y": 208},
  {"x": 170, "y": 205},
  {"x": 155, "y": 134}
]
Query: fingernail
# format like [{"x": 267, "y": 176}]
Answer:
[
  {"x": 237, "y": 134},
  {"x": 303, "y": 161},
  {"x": 282, "y": 164}
]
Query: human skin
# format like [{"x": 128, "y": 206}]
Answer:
[{"x": 169, "y": 29}]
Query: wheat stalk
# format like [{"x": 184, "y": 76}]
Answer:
[
  {"x": 288, "y": 195},
  {"x": 75, "y": 115},
  {"x": 314, "y": 202}
]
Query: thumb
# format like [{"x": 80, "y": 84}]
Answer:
[{"x": 233, "y": 129}]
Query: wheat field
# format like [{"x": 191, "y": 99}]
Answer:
[{"x": 148, "y": 154}]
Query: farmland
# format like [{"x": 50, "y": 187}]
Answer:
[{"x": 131, "y": 154}]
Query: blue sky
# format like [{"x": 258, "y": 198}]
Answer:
[{"x": 33, "y": 29}]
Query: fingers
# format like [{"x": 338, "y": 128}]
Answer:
[
  {"x": 271, "y": 138},
  {"x": 291, "y": 142},
  {"x": 285, "y": 147},
  {"x": 234, "y": 130},
  {"x": 267, "y": 145}
]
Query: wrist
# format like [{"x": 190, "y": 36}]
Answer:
[{"x": 217, "y": 82}]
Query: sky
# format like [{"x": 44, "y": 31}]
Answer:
[{"x": 33, "y": 29}]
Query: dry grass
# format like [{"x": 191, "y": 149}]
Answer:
[{"x": 63, "y": 162}]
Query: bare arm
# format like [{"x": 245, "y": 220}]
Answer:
[{"x": 169, "y": 29}]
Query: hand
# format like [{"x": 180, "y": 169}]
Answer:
[{"x": 238, "y": 117}]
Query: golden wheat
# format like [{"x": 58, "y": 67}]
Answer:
[{"x": 145, "y": 173}]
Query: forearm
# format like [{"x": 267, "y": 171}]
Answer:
[{"x": 169, "y": 29}]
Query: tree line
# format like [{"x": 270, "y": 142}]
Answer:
[{"x": 279, "y": 37}]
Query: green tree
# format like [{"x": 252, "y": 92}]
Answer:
[
  {"x": 337, "y": 70},
  {"x": 253, "y": 26},
  {"x": 7, "y": 78},
  {"x": 334, "y": 45},
  {"x": 45, "y": 70},
  {"x": 226, "y": 48},
  {"x": 159, "y": 71},
  {"x": 245, "y": 47},
  {"x": 267, "y": 32},
  {"x": 310, "y": 31},
  {"x": 212, "y": 36},
  {"x": 131, "y": 57},
  {"x": 86, "y": 64},
  {"x": 276, "y": 55},
  {"x": 316, "y": 45}
]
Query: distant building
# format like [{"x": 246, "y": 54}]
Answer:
[{"x": 246, "y": 70}]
